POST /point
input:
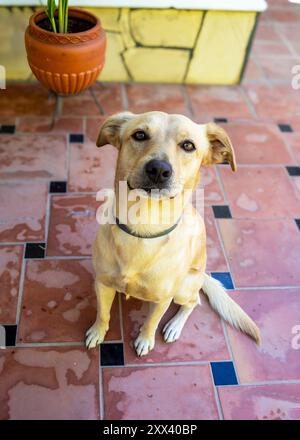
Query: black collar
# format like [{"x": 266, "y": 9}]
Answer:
[{"x": 126, "y": 229}]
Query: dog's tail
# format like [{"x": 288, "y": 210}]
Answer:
[{"x": 229, "y": 310}]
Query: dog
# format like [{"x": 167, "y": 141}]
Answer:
[{"x": 164, "y": 261}]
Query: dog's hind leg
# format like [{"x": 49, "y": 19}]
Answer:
[
  {"x": 173, "y": 328},
  {"x": 146, "y": 339},
  {"x": 105, "y": 297}
]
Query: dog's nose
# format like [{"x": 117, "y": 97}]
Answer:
[{"x": 158, "y": 171}]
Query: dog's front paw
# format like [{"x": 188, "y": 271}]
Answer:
[
  {"x": 143, "y": 344},
  {"x": 172, "y": 329},
  {"x": 95, "y": 335}
]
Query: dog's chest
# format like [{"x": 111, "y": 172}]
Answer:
[{"x": 149, "y": 271}]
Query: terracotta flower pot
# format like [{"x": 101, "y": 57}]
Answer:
[{"x": 66, "y": 63}]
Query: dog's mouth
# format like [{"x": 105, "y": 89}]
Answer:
[{"x": 154, "y": 192}]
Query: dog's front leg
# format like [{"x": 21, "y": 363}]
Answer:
[
  {"x": 105, "y": 297},
  {"x": 146, "y": 339}
]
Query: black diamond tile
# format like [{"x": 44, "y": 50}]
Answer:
[
  {"x": 221, "y": 120},
  {"x": 77, "y": 138},
  {"x": 112, "y": 354},
  {"x": 297, "y": 220},
  {"x": 221, "y": 211},
  {"x": 223, "y": 373},
  {"x": 10, "y": 335},
  {"x": 58, "y": 187},
  {"x": 285, "y": 128},
  {"x": 35, "y": 250},
  {"x": 224, "y": 278},
  {"x": 7, "y": 129},
  {"x": 293, "y": 171}
]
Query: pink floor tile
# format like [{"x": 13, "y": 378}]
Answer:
[
  {"x": 33, "y": 156},
  {"x": 10, "y": 268},
  {"x": 19, "y": 99},
  {"x": 285, "y": 16},
  {"x": 276, "y": 312},
  {"x": 202, "y": 338},
  {"x": 270, "y": 48},
  {"x": 84, "y": 105},
  {"x": 215, "y": 256},
  {"x": 32, "y": 124},
  {"x": 253, "y": 72},
  {"x": 218, "y": 101},
  {"x": 258, "y": 144},
  {"x": 213, "y": 194},
  {"x": 262, "y": 252},
  {"x": 149, "y": 393},
  {"x": 256, "y": 192},
  {"x": 91, "y": 168},
  {"x": 263, "y": 402},
  {"x": 263, "y": 99},
  {"x": 266, "y": 32},
  {"x": 53, "y": 383},
  {"x": 278, "y": 68},
  {"x": 73, "y": 225},
  {"x": 25, "y": 207},
  {"x": 93, "y": 126},
  {"x": 109, "y": 96},
  {"x": 163, "y": 97},
  {"x": 65, "y": 306}
]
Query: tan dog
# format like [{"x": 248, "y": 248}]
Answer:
[{"x": 164, "y": 261}]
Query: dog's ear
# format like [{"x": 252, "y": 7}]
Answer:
[
  {"x": 220, "y": 148},
  {"x": 110, "y": 131}
]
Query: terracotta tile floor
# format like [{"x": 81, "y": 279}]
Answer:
[{"x": 46, "y": 288}]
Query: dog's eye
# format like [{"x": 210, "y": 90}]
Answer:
[
  {"x": 140, "y": 135},
  {"x": 187, "y": 146}
]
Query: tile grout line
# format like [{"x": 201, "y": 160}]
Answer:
[
  {"x": 61, "y": 344},
  {"x": 284, "y": 39},
  {"x": 47, "y": 219},
  {"x": 101, "y": 390},
  {"x": 49, "y": 344},
  {"x": 223, "y": 248},
  {"x": 68, "y": 158},
  {"x": 287, "y": 143},
  {"x": 221, "y": 184},
  {"x": 230, "y": 349},
  {"x": 217, "y": 400},
  {"x": 166, "y": 364},
  {"x": 20, "y": 294},
  {"x": 265, "y": 382},
  {"x": 249, "y": 103}
]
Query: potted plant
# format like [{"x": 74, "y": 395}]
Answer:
[{"x": 65, "y": 47}]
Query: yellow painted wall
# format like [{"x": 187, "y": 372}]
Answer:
[{"x": 151, "y": 45}]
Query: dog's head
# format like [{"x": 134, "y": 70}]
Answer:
[{"x": 162, "y": 151}]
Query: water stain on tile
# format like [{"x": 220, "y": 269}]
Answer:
[
  {"x": 73, "y": 225},
  {"x": 91, "y": 168},
  {"x": 66, "y": 304},
  {"x": 264, "y": 243},
  {"x": 149, "y": 393},
  {"x": 201, "y": 339},
  {"x": 275, "y": 312},
  {"x": 25, "y": 207},
  {"x": 37, "y": 383},
  {"x": 261, "y": 192},
  {"x": 261, "y": 402},
  {"x": 33, "y": 156},
  {"x": 10, "y": 267}
]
